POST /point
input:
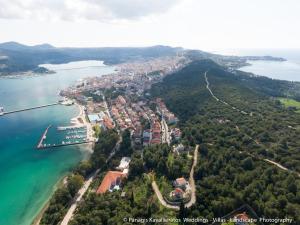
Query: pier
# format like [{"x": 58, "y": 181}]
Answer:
[
  {"x": 44, "y": 136},
  {"x": 27, "y": 109},
  {"x": 72, "y": 135},
  {"x": 61, "y": 145}
]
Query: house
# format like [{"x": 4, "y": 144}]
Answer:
[
  {"x": 94, "y": 118},
  {"x": 121, "y": 100},
  {"x": 108, "y": 123},
  {"x": 111, "y": 181},
  {"x": 170, "y": 118},
  {"x": 241, "y": 219},
  {"x": 146, "y": 137},
  {"x": 176, "y": 134},
  {"x": 177, "y": 193},
  {"x": 178, "y": 148},
  {"x": 124, "y": 163},
  {"x": 180, "y": 183}
]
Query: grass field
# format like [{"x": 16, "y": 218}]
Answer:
[{"x": 290, "y": 103}]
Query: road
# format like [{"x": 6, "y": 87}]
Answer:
[
  {"x": 161, "y": 198},
  {"x": 85, "y": 187},
  {"x": 281, "y": 166},
  {"x": 192, "y": 185},
  {"x": 219, "y": 100},
  {"x": 165, "y": 130},
  {"x": 79, "y": 196},
  {"x": 245, "y": 113},
  {"x": 192, "y": 180}
]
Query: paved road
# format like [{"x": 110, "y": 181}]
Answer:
[
  {"x": 192, "y": 180},
  {"x": 165, "y": 130},
  {"x": 192, "y": 185},
  {"x": 85, "y": 187},
  {"x": 160, "y": 197},
  {"x": 80, "y": 194}
]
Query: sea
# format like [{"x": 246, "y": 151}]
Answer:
[
  {"x": 28, "y": 176},
  {"x": 285, "y": 70}
]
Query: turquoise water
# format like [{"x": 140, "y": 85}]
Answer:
[{"x": 27, "y": 175}]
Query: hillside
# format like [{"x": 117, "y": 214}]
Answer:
[
  {"x": 237, "y": 134},
  {"x": 15, "y": 57}
]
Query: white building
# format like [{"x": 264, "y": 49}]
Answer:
[{"x": 124, "y": 163}]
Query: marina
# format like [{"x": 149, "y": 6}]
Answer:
[{"x": 65, "y": 135}]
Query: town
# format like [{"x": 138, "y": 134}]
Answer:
[{"x": 120, "y": 101}]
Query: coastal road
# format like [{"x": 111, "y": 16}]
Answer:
[
  {"x": 192, "y": 185},
  {"x": 85, "y": 187},
  {"x": 80, "y": 194}
]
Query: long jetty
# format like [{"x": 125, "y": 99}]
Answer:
[
  {"x": 66, "y": 144},
  {"x": 44, "y": 136},
  {"x": 27, "y": 109}
]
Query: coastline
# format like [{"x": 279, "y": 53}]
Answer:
[
  {"x": 59, "y": 184},
  {"x": 80, "y": 120}
]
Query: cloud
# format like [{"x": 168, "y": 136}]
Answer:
[{"x": 102, "y": 10}]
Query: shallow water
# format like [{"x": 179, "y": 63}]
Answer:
[{"x": 27, "y": 175}]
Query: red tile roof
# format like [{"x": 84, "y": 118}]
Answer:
[
  {"x": 243, "y": 216},
  {"x": 110, "y": 177},
  {"x": 181, "y": 181}
]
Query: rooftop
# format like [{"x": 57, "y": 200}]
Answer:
[{"x": 110, "y": 179}]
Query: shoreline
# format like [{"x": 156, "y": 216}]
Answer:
[
  {"x": 80, "y": 120},
  {"x": 37, "y": 219}
]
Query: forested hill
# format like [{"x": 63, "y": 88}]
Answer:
[
  {"x": 235, "y": 147},
  {"x": 186, "y": 92},
  {"x": 15, "y": 57}
]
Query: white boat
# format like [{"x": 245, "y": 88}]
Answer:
[
  {"x": 66, "y": 101},
  {"x": 1, "y": 111}
]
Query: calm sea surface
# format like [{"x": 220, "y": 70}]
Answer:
[
  {"x": 287, "y": 70},
  {"x": 27, "y": 175}
]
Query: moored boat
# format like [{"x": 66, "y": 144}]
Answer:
[{"x": 1, "y": 111}]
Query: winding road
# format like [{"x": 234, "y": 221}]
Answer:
[
  {"x": 243, "y": 112},
  {"x": 192, "y": 185},
  {"x": 219, "y": 100}
]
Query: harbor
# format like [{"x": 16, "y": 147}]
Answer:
[{"x": 68, "y": 135}]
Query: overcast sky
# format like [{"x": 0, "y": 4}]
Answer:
[{"x": 201, "y": 24}]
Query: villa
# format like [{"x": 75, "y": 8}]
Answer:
[
  {"x": 111, "y": 181},
  {"x": 181, "y": 183},
  {"x": 177, "y": 193},
  {"x": 241, "y": 219}
]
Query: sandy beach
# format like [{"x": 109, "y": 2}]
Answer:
[{"x": 80, "y": 119}]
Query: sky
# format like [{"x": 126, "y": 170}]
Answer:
[{"x": 195, "y": 24}]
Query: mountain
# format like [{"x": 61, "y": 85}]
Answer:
[
  {"x": 13, "y": 46},
  {"x": 245, "y": 137},
  {"x": 15, "y": 57}
]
